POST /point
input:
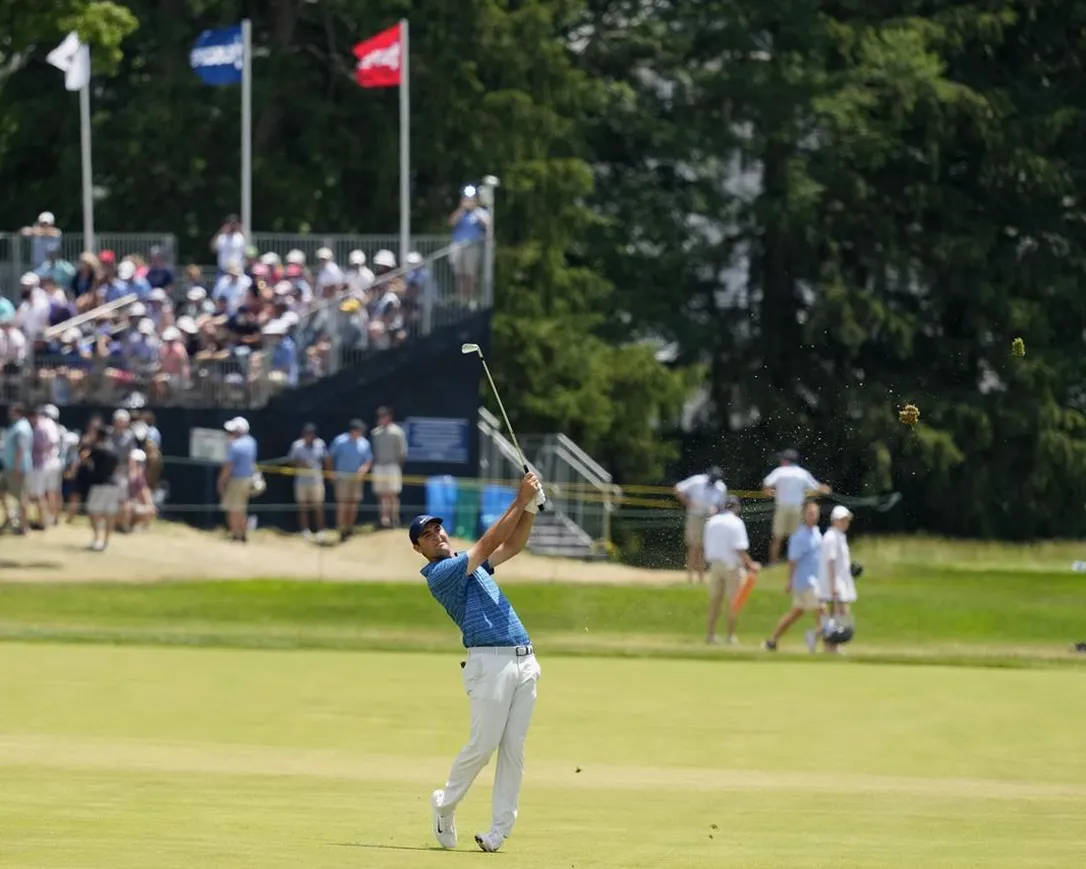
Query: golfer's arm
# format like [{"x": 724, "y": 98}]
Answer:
[
  {"x": 224, "y": 474},
  {"x": 516, "y": 541},
  {"x": 744, "y": 556},
  {"x": 495, "y": 536},
  {"x": 685, "y": 501}
]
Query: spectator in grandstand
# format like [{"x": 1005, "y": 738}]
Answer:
[
  {"x": 7, "y": 310},
  {"x": 159, "y": 274},
  {"x": 419, "y": 289},
  {"x": 43, "y": 235},
  {"x": 727, "y": 550},
  {"x": 142, "y": 348},
  {"x": 283, "y": 352},
  {"x": 330, "y": 277},
  {"x": 190, "y": 334},
  {"x": 127, "y": 282},
  {"x": 702, "y": 495},
  {"x": 273, "y": 266},
  {"x": 836, "y": 587},
  {"x": 296, "y": 274},
  {"x": 359, "y": 277},
  {"x": 32, "y": 315},
  {"x": 229, "y": 243},
  {"x": 149, "y": 439},
  {"x": 174, "y": 370},
  {"x": 60, "y": 306},
  {"x": 788, "y": 484},
  {"x": 55, "y": 267},
  {"x": 350, "y": 458},
  {"x": 385, "y": 310},
  {"x": 18, "y": 463},
  {"x": 106, "y": 476},
  {"x": 43, "y": 484},
  {"x": 107, "y": 260},
  {"x": 13, "y": 345},
  {"x": 86, "y": 279},
  {"x": 307, "y": 455},
  {"x": 236, "y": 477},
  {"x": 804, "y": 552},
  {"x": 160, "y": 308},
  {"x": 138, "y": 507},
  {"x": 389, "y": 454},
  {"x": 196, "y": 304},
  {"x": 469, "y": 226},
  {"x": 230, "y": 289}
]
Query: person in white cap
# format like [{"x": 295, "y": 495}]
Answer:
[
  {"x": 32, "y": 315},
  {"x": 138, "y": 510},
  {"x": 173, "y": 363},
  {"x": 43, "y": 484},
  {"x": 232, "y": 286},
  {"x": 43, "y": 234},
  {"x": 236, "y": 477},
  {"x": 836, "y": 587},
  {"x": 330, "y": 276},
  {"x": 702, "y": 495},
  {"x": 296, "y": 257},
  {"x": 727, "y": 551},
  {"x": 126, "y": 282},
  {"x": 359, "y": 277}
]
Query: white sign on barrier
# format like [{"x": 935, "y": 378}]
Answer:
[{"x": 208, "y": 444}]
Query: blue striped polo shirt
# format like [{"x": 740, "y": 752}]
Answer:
[{"x": 475, "y": 602}]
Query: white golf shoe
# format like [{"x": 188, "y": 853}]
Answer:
[
  {"x": 444, "y": 825},
  {"x": 489, "y": 842}
]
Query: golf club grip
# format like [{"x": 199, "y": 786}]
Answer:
[{"x": 528, "y": 470}]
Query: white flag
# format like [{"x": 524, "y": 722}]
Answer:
[{"x": 72, "y": 58}]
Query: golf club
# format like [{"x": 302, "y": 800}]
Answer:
[{"x": 467, "y": 349}]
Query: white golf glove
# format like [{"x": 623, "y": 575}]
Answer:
[{"x": 534, "y": 505}]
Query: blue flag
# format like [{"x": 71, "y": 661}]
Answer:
[{"x": 218, "y": 56}]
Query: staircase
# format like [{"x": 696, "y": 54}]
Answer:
[{"x": 580, "y": 495}]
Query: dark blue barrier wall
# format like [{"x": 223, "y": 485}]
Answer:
[{"x": 429, "y": 378}]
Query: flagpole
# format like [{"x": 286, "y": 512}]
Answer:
[
  {"x": 405, "y": 143},
  {"x": 85, "y": 149},
  {"x": 247, "y": 128}
]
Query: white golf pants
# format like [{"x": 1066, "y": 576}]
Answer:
[{"x": 502, "y": 689}]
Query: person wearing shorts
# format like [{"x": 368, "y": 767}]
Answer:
[
  {"x": 389, "y": 453},
  {"x": 804, "y": 553},
  {"x": 350, "y": 459},
  {"x": 18, "y": 444},
  {"x": 726, "y": 549},
  {"x": 307, "y": 455},
  {"x": 788, "y": 485},
  {"x": 836, "y": 586},
  {"x": 104, "y": 495},
  {"x": 236, "y": 478},
  {"x": 702, "y": 495}
]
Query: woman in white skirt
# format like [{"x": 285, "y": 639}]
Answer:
[{"x": 836, "y": 587}]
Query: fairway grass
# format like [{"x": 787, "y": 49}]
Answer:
[{"x": 140, "y": 756}]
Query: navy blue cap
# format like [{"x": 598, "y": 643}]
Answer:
[{"x": 420, "y": 522}]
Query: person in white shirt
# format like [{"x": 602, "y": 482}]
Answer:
[
  {"x": 726, "y": 549},
  {"x": 229, "y": 243},
  {"x": 359, "y": 277},
  {"x": 836, "y": 587},
  {"x": 330, "y": 276},
  {"x": 788, "y": 485},
  {"x": 702, "y": 495}
]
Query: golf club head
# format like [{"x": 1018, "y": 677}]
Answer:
[{"x": 470, "y": 348}]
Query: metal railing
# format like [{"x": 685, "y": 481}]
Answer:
[{"x": 16, "y": 251}]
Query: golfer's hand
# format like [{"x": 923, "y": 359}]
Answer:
[
  {"x": 756, "y": 566},
  {"x": 529, "y": 489}
]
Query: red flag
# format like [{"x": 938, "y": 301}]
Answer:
[{"x": 379, "y": 59}]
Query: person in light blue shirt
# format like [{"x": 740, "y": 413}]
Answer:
[
  {"x": 804, "y": 547},
  {"x": 500, "y": 673},
  {"x": 351, "y": 457},
  {"x": 236, "y": 477},
  {"x": 18, "y": 442},
  {"x": 469, "y": 226}
]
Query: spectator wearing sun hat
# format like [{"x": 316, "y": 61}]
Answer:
[
  {"x": 127, "y": 282},
  {"x": 329, "y": 276},
  {"x": 43, "y": 235},
  {"x": 32, "y": 315},
  {"x": 231, "y": 286},
  {"x": 236, "y": 477},
  {"x": 283, "y": 351},
  {"x": 359, "y": 276},
  {"x": 174, "y": 369},
  {"x": 138, "y": 509},
  {"x": 836, "y": 586},
  {"x": 159, "y": 308},
  {"x": 418, "y": 288}
]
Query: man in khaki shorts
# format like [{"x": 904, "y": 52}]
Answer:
[
  {"x": 804, "y": 552},
  {"x": 726, "y": 550},
  {"x": 788, "y": 484},
  {"x": 350, "y": 458},
  {"x": 236, "y": 477},
  {"x": 702, "y": 495},
  {"x": 389, "y": 453},
  {"x": 307, "y": 455}
]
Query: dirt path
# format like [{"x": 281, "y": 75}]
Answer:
[{"x": 177, "y": 552}]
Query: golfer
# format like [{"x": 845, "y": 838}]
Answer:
[
  {"x": 702, "y": 495},
  {"x": 788, "y": 484},
  {"x": 804, "y": 553},
  {"x": 726, "y": 546},
  {"x": 500, "y": 673},
  {"x": 836, "y": 587}
]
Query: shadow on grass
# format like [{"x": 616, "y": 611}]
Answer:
[{"x": 386, "y": 847}]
